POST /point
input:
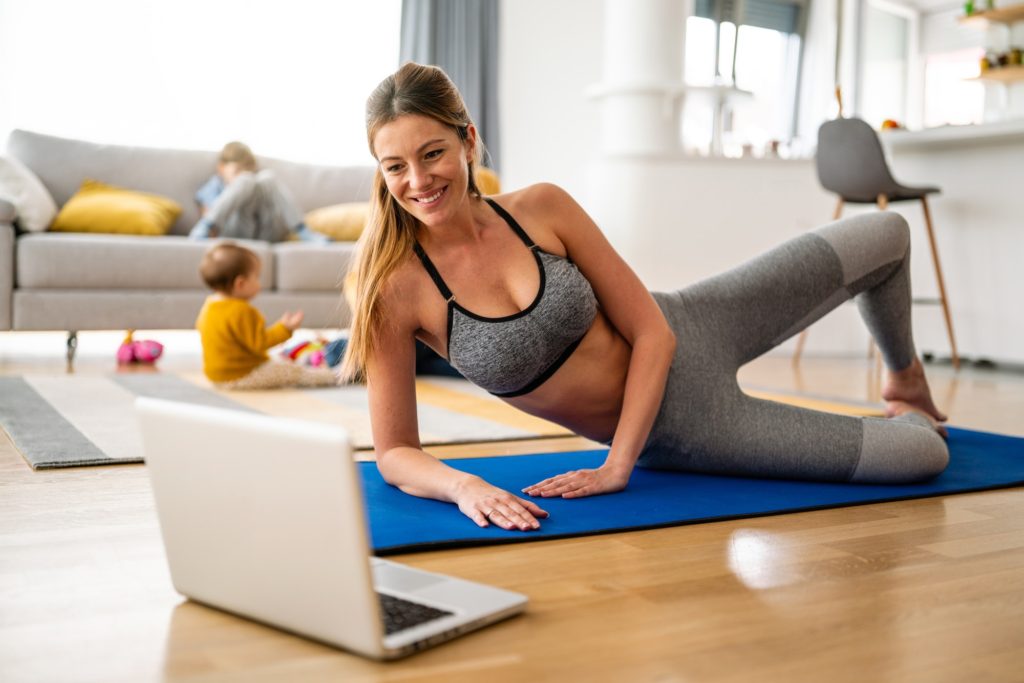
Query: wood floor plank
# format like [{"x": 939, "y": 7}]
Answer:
[{"x": 919, "y": 590}]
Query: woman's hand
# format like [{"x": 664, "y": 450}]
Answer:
[
  {"x": 486, "y": 504},
  {"x": 580, "y": 483}
]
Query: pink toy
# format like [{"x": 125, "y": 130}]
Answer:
[
  {"x": 144, "y": 351},
  {"x": 147, "y": 351}
]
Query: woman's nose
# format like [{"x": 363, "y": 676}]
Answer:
[{"x": 419, "y": 177}]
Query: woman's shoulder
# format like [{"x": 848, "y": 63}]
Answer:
[
  {"x": 543, "y": 204},
  {"x": 400, "y": 289},
  {"x": 538, "y": 194}
]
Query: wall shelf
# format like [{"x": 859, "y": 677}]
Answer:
[
  {"x": 1001, "y": 74},
  {"x": 1001, "y": 15}
]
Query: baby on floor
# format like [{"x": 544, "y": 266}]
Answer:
[{"x": 234, "y": 334}]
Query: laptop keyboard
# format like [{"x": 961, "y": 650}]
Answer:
[{"x": 401, "y": 614}]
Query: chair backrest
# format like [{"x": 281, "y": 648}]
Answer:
[{"x": 850, "y": 161}]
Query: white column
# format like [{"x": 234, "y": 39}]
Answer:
[{"x": 642, "y": 86}]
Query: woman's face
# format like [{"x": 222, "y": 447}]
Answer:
[{"x": 425, "y": 166}]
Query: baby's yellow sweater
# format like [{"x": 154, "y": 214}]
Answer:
[{"x": 235, "y": 338}]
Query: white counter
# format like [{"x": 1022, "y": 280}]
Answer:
[
  {"x": 954, "y": 136},
  {"x": 979, "y": 223}
]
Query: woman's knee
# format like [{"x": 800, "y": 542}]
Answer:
[
  {"x": 897, "y": 451},
  {"x": 867, "y": 242},
  {"x": 893, "y": 230}
]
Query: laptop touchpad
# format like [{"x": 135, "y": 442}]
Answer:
[{"x": 398, "y": 578}]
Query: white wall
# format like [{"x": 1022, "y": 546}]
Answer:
[
  {"x": 551, "y": 52},
  {"x": 676, "y": 220}
]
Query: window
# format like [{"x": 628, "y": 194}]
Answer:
[
  {"x": 949, "y": 98},
  {"x": 742, "y": 67},
  {"x": 888, "y": 47},
  {"x": 290, "y": 79}
]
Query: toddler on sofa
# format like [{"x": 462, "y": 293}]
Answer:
[
  {"x": 241, "y": 201},
  {"x": 234, "y": 334}
]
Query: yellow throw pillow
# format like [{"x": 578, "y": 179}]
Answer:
[
  {"x": 487, "y": 181},
  {"x": 340, "y": 222},
  {"x": 98, "y": 207},
  {"x": 345, "y": 222}
]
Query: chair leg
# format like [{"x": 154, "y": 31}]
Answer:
[
  {"x": 942, "y": 284},
  {"x": 883, "y": 202},
  {"x": 839, "y": 210},
  {"x": 800, "y": 341},
  {"x": 72, "y": 347}
]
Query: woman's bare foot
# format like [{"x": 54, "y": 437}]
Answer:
[{"x": 907, "y": 391}]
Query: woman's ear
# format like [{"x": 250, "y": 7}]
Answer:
[{"x": 470, "y": 143}]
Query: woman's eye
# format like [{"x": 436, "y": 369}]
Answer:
[
  {"x": 433, "y": 154},
  {"x": 394, "y": 169}
]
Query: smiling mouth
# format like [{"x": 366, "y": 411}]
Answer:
[{"x": 432, "y": 198}]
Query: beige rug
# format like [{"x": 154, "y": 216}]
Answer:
[
  {"x": 74, "y": 420},
  {"x": 66, "y": 420}
]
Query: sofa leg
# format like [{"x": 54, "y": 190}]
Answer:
[{"x": 72, "y": 346}]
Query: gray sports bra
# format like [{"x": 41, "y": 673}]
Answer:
[{"x": 514, "y": 354}]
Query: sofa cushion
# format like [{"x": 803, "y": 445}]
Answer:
[
  {"x": 6, "y": 275},
  {"x": 307, "y": 267},
  {"x": 312, "y": 186},
  {"x": 21, "y": 187},
  {"x": 340, "y": 222},
  {"x": 79, "y": 261},
  {"x": 62, "y": 164},
  {"x": 7, "y": 211},
  {"x": 98, "y": 207},
  {"x": 487, "y": 181}
]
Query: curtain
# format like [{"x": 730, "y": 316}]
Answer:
[{"x": 461, "y": 37}]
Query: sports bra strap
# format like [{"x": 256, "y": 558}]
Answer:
[
  {"x": 432, "y": 271},
  {"x": 436, "y": 276},
  {"x": 511, "y": 223}
]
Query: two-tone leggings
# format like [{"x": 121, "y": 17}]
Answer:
[{"x": 707, "y": 424}]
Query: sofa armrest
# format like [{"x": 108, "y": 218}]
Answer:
[
  {"x": 7, "y": 212},
  {"x": 6, "y": 272}
]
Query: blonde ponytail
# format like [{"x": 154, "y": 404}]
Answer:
[{"x": 390, "y": 233}]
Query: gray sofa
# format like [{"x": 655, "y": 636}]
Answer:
[{"x": 74, "y": 281}]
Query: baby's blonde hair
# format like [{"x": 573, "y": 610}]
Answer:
[{"x": 238, "y": 153}]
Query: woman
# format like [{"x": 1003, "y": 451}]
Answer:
[{"x": 525, "y": 297}]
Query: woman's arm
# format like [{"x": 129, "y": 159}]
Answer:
[
  {"x": 633, "y": 312},
  {"x": 391, "y": 383}
]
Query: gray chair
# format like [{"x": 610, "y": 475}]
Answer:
[{"x": 850, "y": 163}]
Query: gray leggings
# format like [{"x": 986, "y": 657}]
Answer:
[{"x": 707, "y": 424}]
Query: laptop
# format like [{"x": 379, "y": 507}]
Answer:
[{"x": 263, "y": 517}]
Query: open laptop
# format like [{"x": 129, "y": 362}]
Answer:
[{"x": 263, "y": 517}]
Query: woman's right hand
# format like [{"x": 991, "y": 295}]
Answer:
[{"x": 486, "y": 504}]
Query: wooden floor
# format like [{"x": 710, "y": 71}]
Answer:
[{"x": 922, "y": 590}]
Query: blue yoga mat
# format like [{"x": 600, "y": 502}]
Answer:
[{"x": 402, "y": 523}]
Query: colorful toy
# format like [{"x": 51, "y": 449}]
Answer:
[
  {"x": 309, "y": 353},
  {"x": 145, "y": 351}
]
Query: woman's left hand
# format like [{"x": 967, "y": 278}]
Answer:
[{"x": 580, "y": 483}]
